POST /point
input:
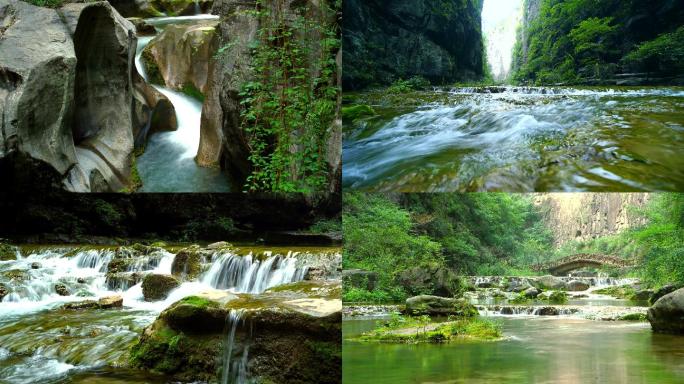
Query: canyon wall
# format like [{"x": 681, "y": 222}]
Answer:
[
  {"x": 384, "y": 41},
  {"x": 585, "y": 216}
]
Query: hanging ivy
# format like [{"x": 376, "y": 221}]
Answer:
[{"x": 289, "y": 106}]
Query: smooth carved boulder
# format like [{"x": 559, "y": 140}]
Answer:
[
  {"x": 180, "y": 55},
  {"x": 667, "y": 314},
  {"x": 37, "y": 77},
  {"x": 66, "y": 93}
]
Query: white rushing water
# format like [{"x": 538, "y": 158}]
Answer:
[
  {"x": 97, "y": 338},
  {"x": 84, "y": 276},
  {"x": 168, "y": 164}
]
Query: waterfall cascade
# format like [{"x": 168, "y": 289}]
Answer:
[{"x": 168, "y": 164}]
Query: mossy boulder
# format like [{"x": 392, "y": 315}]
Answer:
[
  {"x": 8, "y": 252},
  {"x": 157, "y": 287},
  {"x": 187, "y": 265},
  {"x": 555, "y": 297},
  {"x": 187, "y": 340},
  {"x": 633, "y": 317},
  {"x": 619, "y": 292},
  {"x": 662, "y": 291},
  {"x": 439, "y": 306},
  {"x": 431, "y": 280},
  {"x": 355, "y": 112}
]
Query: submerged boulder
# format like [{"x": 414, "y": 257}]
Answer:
[
  {"x": 4, "y": 291},
  {"x": 157, "y": 287},
  {"x": 62, "y": 290},
  {"x": 434, "y": 305},
  {"x": 667, "y": 314},
  {"x": 107, "y": 302}
]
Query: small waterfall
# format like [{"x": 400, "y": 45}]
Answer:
[
  {"x": 197, "y": 8},
  {"x": 248, "y": 274},
  {"x": 168, "y": 163},
  {"x": 234, "y": 370}
]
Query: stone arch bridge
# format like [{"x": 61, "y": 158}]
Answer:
[{"x": 562, "y": 267}]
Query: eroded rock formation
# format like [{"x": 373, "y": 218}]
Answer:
[
  {"x": 585, "y": 216},
  {"x": 180, "y": 55},
  {"x": 385, "y": 41},
  {"x": 157, "y": 8},
  {"x": 67, "y": 94}
]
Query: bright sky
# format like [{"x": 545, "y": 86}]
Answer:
[{"x": 497, "y": 10}]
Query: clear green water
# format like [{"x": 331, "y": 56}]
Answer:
[
  {"x": 537, "y": 350},
  {"x": 521, "y": 139}
]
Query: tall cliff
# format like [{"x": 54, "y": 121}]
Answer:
[
  {"x": 440, "y": 40},
  {"x": 585, "y": 216}
]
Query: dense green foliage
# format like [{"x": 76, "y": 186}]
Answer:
[
  {"x": 575, "y": 41},
  {"x": 472, "y": 234},
  {"x": 290, "y": 105}
]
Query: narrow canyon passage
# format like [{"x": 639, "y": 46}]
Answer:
[{"x": 168, "y": 163}]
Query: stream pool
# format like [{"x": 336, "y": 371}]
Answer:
[{"x": 559, "y": 350}]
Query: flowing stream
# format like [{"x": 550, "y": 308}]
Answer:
[
  {"x": 568, "y": 348},
  {"x": 519, "y": 139},
  {"x": 168, "y": 164},
  {"x": 41, "y": 343}
]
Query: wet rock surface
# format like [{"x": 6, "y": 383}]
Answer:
[{"x": 667, "y": 314}]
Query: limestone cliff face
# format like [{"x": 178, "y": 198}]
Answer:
[
  {"x": 584, "y": 216},
  {"x": 386, "y": 40},
  {"x": 531, "y": 10}
]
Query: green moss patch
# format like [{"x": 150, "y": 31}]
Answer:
[
  {"x": 199, "y": 302},
  {"x": 621, "y": 292},
  {"x": 192, "y": 91},
  {"x": 421, "y": 330},
  {"x": 633, "y": 317},
  {"x": 356, "y": 112}
]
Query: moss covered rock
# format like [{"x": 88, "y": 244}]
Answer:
[
  {"x": 4, "y": 291},
  {"x": 355, "y": 112},
  {"x": 439, "y": 306},
  {"x": 157, "y": 287},
  {"x": 556, "y": 297},
  {"x": 8, "y": 252},
  {"x": 187, "y": 265},
  {"x": 187, "y": 340}
]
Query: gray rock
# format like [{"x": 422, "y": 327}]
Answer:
[
  {"x": 643, "y": 295},
  {"x": 547, "y": 311},
  {"x": 518, "y": 285},
  {"x": 550, "y": 282},
  {"x": 438, "y": 281},
  {"x": 577, "y": 285},
  {"x": 4, "y": 291},
  {"x": 662, "y": 291},
  {"x": 667, "y": 314},
  {"x": 531, "y": 292},
  {"x": 35, "y": 265},
  {"x": 66, "y": 92}
]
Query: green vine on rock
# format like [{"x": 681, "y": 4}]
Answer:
[{"x": 290, "y": 105}]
